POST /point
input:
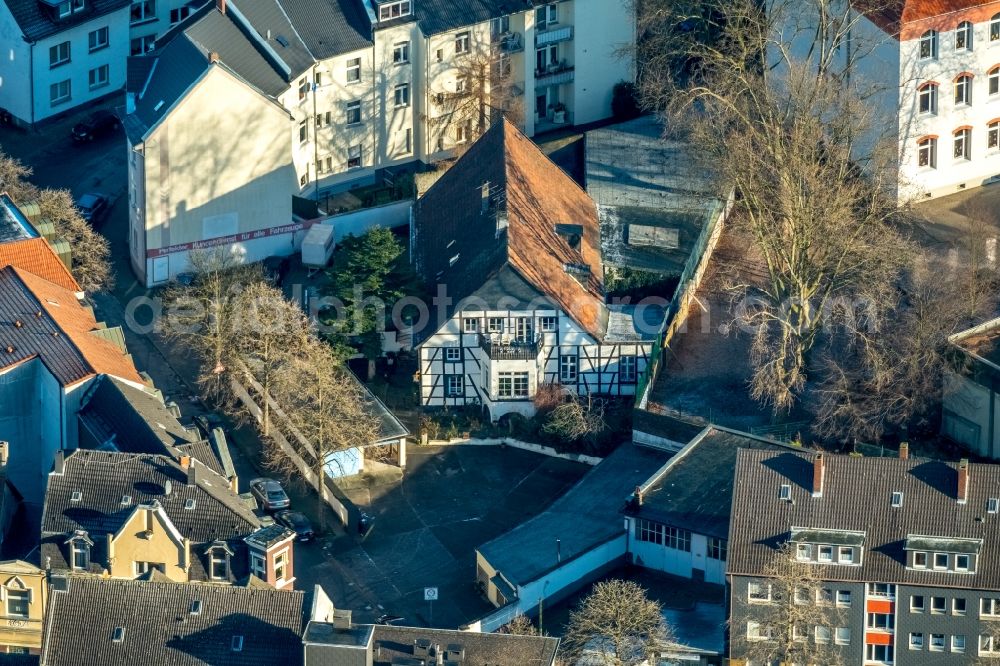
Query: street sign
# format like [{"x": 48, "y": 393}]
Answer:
[{"x": 430, "y": 594}]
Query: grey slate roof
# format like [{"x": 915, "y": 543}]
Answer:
[
  {"x": 103, "y": 478},
  {"x": 694, "y": 490},
  {"x": 480, "y": 648},
  {"x": 160, "y": 628},
  {"x": 436, "y": 16},
  {"x": 37, "y": 23},
  {"x": 856, "y": 496},
  {"x": 588, "y": 515},
  {"x": 329, "y": 27}
]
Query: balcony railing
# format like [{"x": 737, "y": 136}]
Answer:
[
  {"x": 554, "y": 36},
  {"x": 509, "y": 42},
  {"x": 511, "y": 350},
  {"x": 554, "y": 75}
]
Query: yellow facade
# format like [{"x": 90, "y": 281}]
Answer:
[
  {"x": 148, "y": 540},
  {"x": 22, "y": 606}
]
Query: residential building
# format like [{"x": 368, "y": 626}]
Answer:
[
  {"x": 23, "y": 589},
  {"x": 95, "y": 620},
  {"x": 513, "y": 244},
  {"x": 906, "y": 551},
  {"x": 971, "y": 405},
  {"x": 339, "y": 93},
  {"x": 126, "y": 514}
]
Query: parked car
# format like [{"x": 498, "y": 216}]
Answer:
[
  {"x": 275, "y": 269},
  {"x": 93, "y": 207},
  {"x": 269, "y": 494},
  {"x": 98, "y": 124},
  {"x": 297, "y": 522}
]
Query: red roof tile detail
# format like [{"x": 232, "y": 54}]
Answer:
[{"x": 36, "y": 256}]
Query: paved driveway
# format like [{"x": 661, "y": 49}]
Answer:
[{"x": 427, "y": 527}]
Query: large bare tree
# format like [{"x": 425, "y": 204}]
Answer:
[{"x": 616, "y": 625}]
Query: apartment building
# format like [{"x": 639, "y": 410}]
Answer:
[
  {"x": 513, "y": 244},
  {"x": 333, "y": 94},
  {"x": 23, "y": 590},
  {"x": 905, "y": 551}
]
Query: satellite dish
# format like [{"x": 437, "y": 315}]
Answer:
[{"x": 167, "y": 487}]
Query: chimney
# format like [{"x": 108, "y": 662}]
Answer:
[
  {"x": 819, "y": 471},
  {"x": 221, "y": 6},
  {"x": 110, "y": 545},
  {"x": 638, "y": 495},
  {"x": 192, "y": 471},
  {"x": 213, "y": 56},
  {"x": 234, "y": 484},
  {"x": 904, "y": 450},
  {"x": 963, "y": 481},
  {"x": 185, "y": 462},
  {"x": 4, "y": 453},
  {"x": 59, "y": 464}
]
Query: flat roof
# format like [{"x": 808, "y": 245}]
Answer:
[{"x": 14, "y": 226}]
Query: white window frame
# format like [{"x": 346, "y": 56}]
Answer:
[
  {"x": 929, "y": 40},
  {"x": 928, "y": 145},
  {"x": 845, "y": 555},
  {"x": 60, "y": 54},
  {"x": 355, "y": 157},
  {"x": 463, "y": 42},
  {"x": 353, "y": 70},
  {"x": 99, "y": 83},
  {"x": 935, "y": 561},
  {"x": 995, "y": 29},
  {"x": 954, "y": 606},
  {"x": 93, "y": 39},
  {"x": 828, "y": 550},
  {"x": 968, "y": 562},
  {"x": 395, "y": 10},
  {"x": 401, "y": 53},
  {"x": 939, "y": 605},
  {"x": 963, "y": 90},
  {"x": 454, "y": 385},
  {"x": 352, "y": 107},
  {"x": 936, "y": 642},
  {"x": 927, "y": 95},
  {"x": 758, "y": 592},
  {"x": 842, "y": 635},
  {"x": 916, "y": 641},
  {"x": 514, "y": 382},
  {"x": 281, "y": 562},
  {"x": 628, "y": 369},
  {"x": 822, "y": 634},
  {"x": 955, "y": 646},
  {"x": 218, "y": 556},
  {"x": 401, "y": 95},
  {"x": 470, "y": 324},
  {"x": 964, "y": 32},
  {"x": 569, "y": 367},
  {"x": 494, "y": 324},
  {"x": 452, "y": 354},
  {"x": 918, "y": 609},
  {"x": 846, "y": 603},
  {"x": 146, "y": 13},
  {"x": 54, "y": 88},
  {"x": 20, "y": 595}
]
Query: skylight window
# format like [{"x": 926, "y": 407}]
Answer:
[
  {"x": 897, "y": 500},
  {"x": 190, "y": 504},
  {"x": 992, "y": 505},
  {"x": 785, "y": 493},
  {"x": 126, "y": 500},
  {"x": 237, "y": 644},
  {"x": 118, "y": 635},
  {"x": 195, "y": 607},
  {"x": 76, "y": 496}
]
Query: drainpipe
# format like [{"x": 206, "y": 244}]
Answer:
[
  {"x": 315, "y": 89},
  {"x": 31, "y": 81}
]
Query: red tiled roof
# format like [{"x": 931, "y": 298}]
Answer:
[
  {"x": 36, "y": 256},
  {"x": 56, "y": 328},
  {"x": 892, "y": 16}
]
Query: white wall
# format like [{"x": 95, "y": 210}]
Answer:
[
  {"x": 674, "y": 561},
  {"x": 15, "y": 67},
  {"x": 602, "y": 30},
  {"x": 969, "y": 401}
]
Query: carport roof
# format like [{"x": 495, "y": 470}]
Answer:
[{"x": 588, "y": 515}]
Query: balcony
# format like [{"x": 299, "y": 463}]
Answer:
[
  {"x": 554, "y": 75},
  {"x": 509, "y": 42},
  {"x": 511, "y": 350},
  {"x": 554, "y": 36}
]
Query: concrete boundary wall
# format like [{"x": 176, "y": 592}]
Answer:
[{"x": 517, "y": 444}]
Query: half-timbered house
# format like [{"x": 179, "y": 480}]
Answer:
[{"x": 513, "y": 245}]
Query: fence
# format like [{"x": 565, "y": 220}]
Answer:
[{"x": 687, "y": 287}]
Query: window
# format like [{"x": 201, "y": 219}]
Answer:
[
  {"x": 880, "y": 653},
  {"x": 881, "y": 621},
  {"x": 843, "y": 635},
  {"x": 408, "y": 140},
  {"x": 993, "y": 143},
  {"x": 926, "y": 158},
  {"x": 17, "y": 602},
  {"x": 678, "y": 539},
  {"x": 454, "y": 385},
  {"x": 141, "y": 45},
  {"x": 927, "y": 98},
  {"x": 627, "y": 365},
  {"x": 60, "y": 92},
  {"x": 648, "y": 531},
  {"x": 190, "y": 504},
  {"x": 304, "y": 178},
  {"x": 237, "y": 644},
  {"x": 717, "y": 549},
  {"x": 354, "y": 112},
  {"x": 822, "y": 634},
  {"x": 917, "y": 603},
  {"x": 218, "y": 565},
  {"x": 755, "y": 632},
  {"x": 938, "y": 604},
  {"x": 549, "y": 324},
  {"x": 990, "y": 607},
  {"x": 401, "y": 53},
  {"x": 825, "y": 553},
  {"x": 303, "y": 131},
  {"x": 824, "y": 596},
  {"x": 961, "y": 563},
  {"x": 394, "y": 10},
  {"x": 958, "y": 643},
  {"x": 402, "y": 94},
  {"x": 354, "y": 70},
  {"x": 324, "y": 165},
  {"x": 801, "y": 595},
  {"x": 179, "y": 14},
  {"x": 513, "y": 385},
  {"x": 986, "y": 645},
  {"x": 470, "y": 325},
  {"x": 257, "y": 565},
  {"x": 98, "y": 77},
  {"x": 452, "y": 353},
  {"x": 324, "y": 119},
  {"x": 145, "y": 567},
  {"x": 354, "y": 157},
  {"x": 494, "y": 325},
  {"x": 936, "y": 643},
  {"x": 461, "y": 43},
  {"x": 897, "y": 500},
  {"x": 785, "y": 493},
  {"x": 963, "y": 90},
  {"x": 143, "y": 10},
  {"x": 916, "y": 641},
  {"x": 881, "y": 590},
  {"x": 963, "y": 36},
  {"x": 993, "y": 503},
  {"x": 97, "y": 39},
  {"x": 523, "y": 329},
  {"x": 461, "y": 84},
  {"x": 567, "y": 367},
  {"x": 118, "y": 634},
  {"x": 195, "y": 608},
  {"x": 463, "y": 132},
  {"x": 64, "y": 9},
  {"x": 303, "y": 88},
  {"x": 281, "y": 566},
  {"x": 758, "y": 592},
  {"x": 59, "y": 54},
  {"x": 845, "y": 555},
  {"x": 995, "y": 28},
  {"x": 929, "y": 45},
  {"x": 844, "y": 598},
  {"x": 940, "y": 560},
  {"x": 958, "y": 606}
]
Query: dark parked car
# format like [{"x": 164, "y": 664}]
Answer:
[
  {"x": 269, "y": 494},
  {"x": 275, "y": 269},
  {"x": 97, "y": 125},
  {"x": 93, "y": 207},
  {"x": 298, "y": 523}
]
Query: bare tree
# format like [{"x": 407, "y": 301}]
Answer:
[
  {"x": 204, "y": 314},
  {"x": 976, "y": 271},
  {"x": 617, "y": 625},
  {"x": 14, "y": 179},
  {"x": 327, "y": 406},
  {"x": 268, "y": 332},
  {"x": 990, "y": 631},
  {"x": 520, "y": 625},
  {"x": 797, "y": 621},
  {"x": 575, "y": 418},
  {"x": 798, "y": 141}
]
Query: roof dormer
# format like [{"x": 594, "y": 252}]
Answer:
[
  {"x": 388, "y": 10},
  {"x": 64, "y": 9}
]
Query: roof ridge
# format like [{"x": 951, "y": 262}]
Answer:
[{"x": 56, "y": 260}]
